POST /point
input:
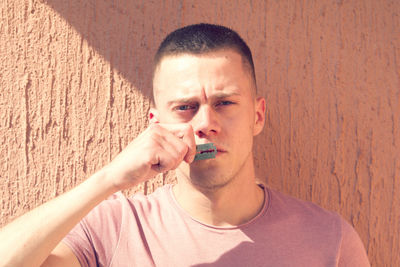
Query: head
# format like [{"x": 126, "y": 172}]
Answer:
[
  {"x": 200, "y": 39},
  {"x": 204, "y": 76}
]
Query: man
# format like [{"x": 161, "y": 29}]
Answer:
[{"x": 216, "y": 215}]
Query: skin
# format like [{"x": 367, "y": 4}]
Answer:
[
  {"x": 214, "y": 93},
  {"x": 221, "y": 109}
]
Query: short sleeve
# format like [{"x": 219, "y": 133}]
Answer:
[
  {"x": 95, "y": 239},
  {"x": 78, "y": 241},
  {"x": 352, "y": 251}
]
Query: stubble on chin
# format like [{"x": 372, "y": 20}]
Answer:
[{"x": 205, "y": 179}]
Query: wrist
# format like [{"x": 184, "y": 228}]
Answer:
[{"x": 103, "y": 180}]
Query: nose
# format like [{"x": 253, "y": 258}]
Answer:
[{"x": 205, "y": 122}]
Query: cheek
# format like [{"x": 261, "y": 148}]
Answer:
[
  {"x": 166, "y": 116},
  {"x": 240, "y": 127},
  {"x": 244, "y": 120}
]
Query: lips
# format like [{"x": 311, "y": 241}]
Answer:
[
  {"x": 208, "y": 151},
  {"x": 205, "y": 151},
  {"x": 212, "y": 150}
]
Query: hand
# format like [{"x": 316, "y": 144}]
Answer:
[{"x": 160, "y": 148}]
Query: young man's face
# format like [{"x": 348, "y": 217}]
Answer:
[{"x": 214, "y": 93}]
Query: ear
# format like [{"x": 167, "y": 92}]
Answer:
[
  {"x": 259, "y": 118},
  {"x": 153, "y": 115}
]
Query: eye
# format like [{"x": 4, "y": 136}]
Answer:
[
  {"x": 224, "y": 103},
  {"x": 185, "y": 107}
]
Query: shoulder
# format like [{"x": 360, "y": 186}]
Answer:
[
  {"x": 352, "y": 251},
  {"x": 304, "y": 219},
  {"x": 326, "y": 228},
  {"x": 138, "y": 203},
  {"x": 111, "y": 212},
  {"x": 114, "y": 216},
  {"x": 118, "y": 203},
  {"x": 298, "y": 209}
]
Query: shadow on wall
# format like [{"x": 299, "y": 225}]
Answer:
[
  {"x": 120, "y": 32},
  {"x": 127, "y": 33}
]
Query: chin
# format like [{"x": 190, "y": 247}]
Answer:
[
  {"x": 209, "y": 185},
  {"x": 206, "y": 174},
  {"x": 209, "y": 179}
]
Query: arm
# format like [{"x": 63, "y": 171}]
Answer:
[{"x": 30, "y": 239}]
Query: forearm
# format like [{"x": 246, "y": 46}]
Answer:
[{"x": 30, "y": 239}]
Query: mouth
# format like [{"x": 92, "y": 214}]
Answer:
[
  {"x": 205, "y": 151},
  {"x": 208, "y": 151}
]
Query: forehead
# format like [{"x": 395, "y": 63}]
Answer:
[{"x": 186, "y": 74}]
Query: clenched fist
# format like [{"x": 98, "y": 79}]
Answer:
[{"x": 160, "y": 148}]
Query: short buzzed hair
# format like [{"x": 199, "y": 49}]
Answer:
[{"x": 203, "y": 38}]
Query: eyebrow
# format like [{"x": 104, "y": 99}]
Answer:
[{"x": 187, "y": 100}]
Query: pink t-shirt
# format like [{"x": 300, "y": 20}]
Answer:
[{"x": 154, "y": 230}]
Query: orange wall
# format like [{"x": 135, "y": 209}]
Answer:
[{"x": 75, "y": 80}]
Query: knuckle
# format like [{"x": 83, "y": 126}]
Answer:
[
  {"x": 182, "y": 149},
  {"x": 168, "y": 164},
  {"x": 188, "y": 128},
  {"x": 154, "y": 127},
  {"x": 175, "y": 165},
  {"x": 153, "y": 135}
]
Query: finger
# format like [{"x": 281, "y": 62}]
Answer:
[
  {"x": 166, "y": 141},
  {"x": 175, "y": 146},
  {"x": 188, "y": 138},
  {"x": 165, "y": 161},
  {"x": 185, "y": 132}
]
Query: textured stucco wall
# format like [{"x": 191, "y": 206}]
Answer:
[{"x": 75, "y": 81}]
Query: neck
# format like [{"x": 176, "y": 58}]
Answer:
[{"x": 235, "y": 203}]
